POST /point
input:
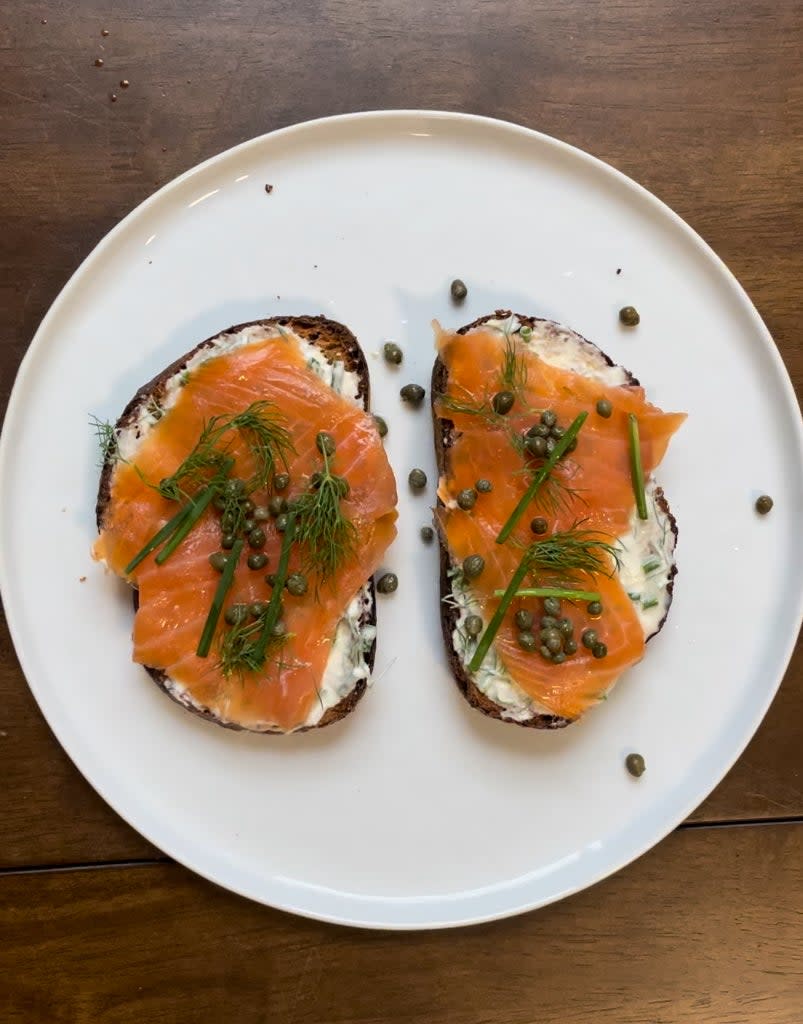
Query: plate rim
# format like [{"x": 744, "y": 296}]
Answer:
[{"x": 353, "y": 900}]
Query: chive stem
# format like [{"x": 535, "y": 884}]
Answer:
[
  {"x": 272, "y": 613},
  {"x": 226, "y": 580},
  {"x": 492, "y": 629},
  {"x": 196, "y": 510},
  {"x": 540, "y": 477},
  {"x": 160, "y": 537},
  {"x": 636, "y": 468},
  {"x": 568, "y": 595}
]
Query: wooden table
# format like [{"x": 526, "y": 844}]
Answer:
[{"x": 698, "y": 100}]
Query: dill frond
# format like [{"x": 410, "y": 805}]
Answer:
[
  {"x": 106, "y": 435},
  {"x": 327, "y": 536}
]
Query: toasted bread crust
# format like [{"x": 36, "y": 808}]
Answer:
[
  {"x": 336, "y": 342},
  {"x": 444, "y": 437}
]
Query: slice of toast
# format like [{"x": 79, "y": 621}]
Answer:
[
  {"x": 335, "y": 344},
  {"x": 559, "y": 345}
]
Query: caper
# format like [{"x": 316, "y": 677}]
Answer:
[
  {"x": 483, "y": 486},
  {"x": 594, "y": 608},
  {"x": 249, "y": 524},
  {"x": 559, "y": 657},
  {"x": 545, "y": 652},
  {"x": 234, "y": 487},
  {"x": 552, "y": 606},
  {"x": 526, "y": 641},
  {"x": 413, "y": 394},
  {"x": 557, "y": 432},
  {"x": 569, "y": 646},
  {"x": 502, "y": 402},
  {"x": 261, "y": 513},
  {"x": 315, "y": 480},
  {"x": 551, "y": 445},
  {"x": 257, "y": 609},
  {"x": 381, "y": 426},
  {"x": 281, "y": 481},
  {"x": 764, "y": 504},
  {"x": 629, "y": 316},
  {"x": 218, "y": 502},
  {"x": 549, "y": 622},
  {"x": 473, "y": 566},
  {"x": 325, "y": 443},
  {"x": 599, "y": 650},
  {"x": 417, "y": 479},
  {"x": 604, "y": 408},
  {"x": 270, "y": 579},
  {"x": 427, "y": 534},
  {"x": 467, "y": 499},
  {"x": 566, "y": 627},
  {"x": 279, "y": 629},
  {"x": 538, "y": 430},
  {"x": 236, "y": 614},
  {"x": 296, "y": 584},
  {"x": 227, "y": 541},
  {"x": 554, "y": 643},
  {"x": 539, "y": 525},
  {"x": 277, "y": 505},
  {"x": 458, "y": 290},
  {"x": 256, "y": 538},
  {"x": 387, "y": 583},
  {"x": 473, "y": 625},
  {"x": 635, "y": 765},
  {"x": 257, "y": 560},
  {"x": 248, "y": 507},
  {"x": 281, "y": 522},
  {"x": 536, "y": 446},
  {"x": 227, "y": 522},
  {"x": 218, "y": 560},
  {"x": 392, "y": 353},
  {"x": 523, "y": 619},
  {"x": 548, "y": 418},
  {"x": 589, "y": 638}
]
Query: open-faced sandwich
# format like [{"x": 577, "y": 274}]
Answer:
[
  {"x": 557, "y": 545},
  {"x": 246, "y": 495}
]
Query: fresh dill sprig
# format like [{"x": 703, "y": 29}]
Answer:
[
  {"x": 558, "y": 557},
  {"x": 327, "y": 536},
  {"x": 514, "y": 365},
  {"x": 108, "y": 444},
  {"x": 239, "y": 651}
]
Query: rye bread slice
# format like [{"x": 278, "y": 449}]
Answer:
[
  {"x": 337, "y": 343},
  {"x": 445, "y": 434}
]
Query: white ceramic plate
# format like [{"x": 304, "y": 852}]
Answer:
[{"x": 416, "y": 811}]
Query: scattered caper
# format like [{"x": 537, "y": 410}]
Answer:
[
  {"x": 536, "y": 446},
  {"x": 629, "y": 316},
  {"x": 549, "y": 622},
  {"x": 545, "y": 652},
  {"x": 635, "y": 765},
  {"x": 458, "y": 290},
  {"x": 218, "y": 502},
  {"x": 236, "y": 614},
  {"x": 325, "y": 443},
  {"x": 417, "y": 479},
  {"x": 381, "y": 426},
  {"x": 281, "y": 522},
  {"x": 467, "y": 499},
  {"x": 554, "y": 643},
  {"x": 296, "y": 584},
  {"x": 502, "y": 402},
  {"x": 552, "y": 606},
  {"x": 523, "y": 619},
  {"x": 218, "y": 560},
  {"x": 249, "y": 524},
  {"x": 566, "y": 627},
  {"x": 594, "y": 608},
  {"x": 589, "y": 638},
  {"x": 764, "y": 504},
  {"x": 315, "y": 480},
  {"x": 277, "y": 505},
  {"x": 228, "y": 522},
  {"x": 256, "y": 538},
  {"x": 413, "y": 394},
  {"x": 248, "y": 507},
  {"x": 233, "y": 488},
  {"x": 559, "y": 658},
  {"x": 427, "y": 534},
  {"x": 538, "y": 430},
  {"x": 483, "y": 486},
  {"x": 539, "y": 525},
  {"x": 281, "y": 481},
  {"x": 526, "y": 641},
  {"x": 548, "y": 418},
  {"x": 570, "y": 446},
  {"x": 392, "y": 353},
  {"x": 257, "y": 560},
  {"x": 604, "y": 408},
  {"x": 279, "y": 629},
  {"x": 227, "y": 541},
  {"x": 261, "y": 513},
  {"x": 473, "y": 625},
  {"x": 569, "y": 646},
  {"x": 258, "y": 609},
  {"x": 551, "y": 445},
  {"x": 473, "y": 566},
  {"x": 599, "y": 650},
  {"x": 387, "y": 583},
  {"x": 270, "y": 579},
  {"x": 557, "y": 432}
]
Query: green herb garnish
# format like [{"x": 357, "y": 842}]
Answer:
[
  {"x": 567, "y": 595},
  {"x": 107, "y": 440},
  {"x": 636, "y": 468},
  {"x": 328, "y": 537},
  {"x": 224, "y": 584}
]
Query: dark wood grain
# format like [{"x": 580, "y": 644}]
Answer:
[{"x": 705, "y": 929}]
